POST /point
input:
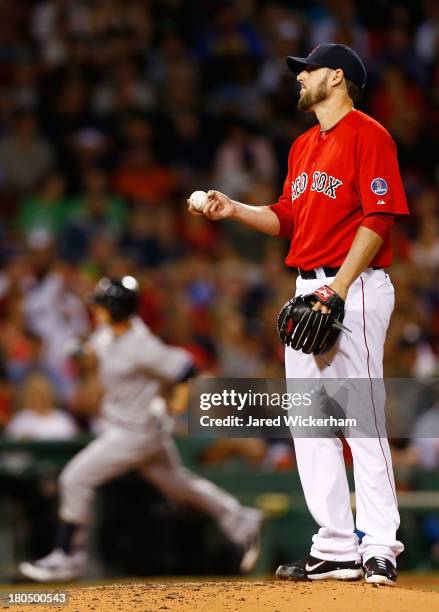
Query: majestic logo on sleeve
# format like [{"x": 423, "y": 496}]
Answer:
[
  {"x": 321, "y": 182},
  {"x": 379, "y": 186}
]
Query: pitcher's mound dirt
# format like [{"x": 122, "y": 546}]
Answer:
[{"x": 269, "y": 596}]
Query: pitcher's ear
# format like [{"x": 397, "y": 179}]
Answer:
[{"x": 337, "y": 77}]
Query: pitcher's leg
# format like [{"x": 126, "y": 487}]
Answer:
[
  {"x": 323, "y": 476},
  {"x": 377, "y": 511},
  {"x": 322, "y": 470}
]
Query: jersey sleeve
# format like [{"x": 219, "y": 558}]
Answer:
[
  {"x": 162, "y": 361},
  {"x": 380, "y": 223},
  {"x": 283, "y": 208},
  {"x": 379, "y": 185}
]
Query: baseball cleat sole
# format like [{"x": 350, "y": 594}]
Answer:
[
  {"x": 341, "y": 574},
  {"x": 377, "y": 579}
]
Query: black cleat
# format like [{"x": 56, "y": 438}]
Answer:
[
  {"x": 379, "y": 570},
  {"x": 312, "y": 568}
]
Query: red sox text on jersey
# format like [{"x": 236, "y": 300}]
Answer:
[{"x": 321, "y": 182}]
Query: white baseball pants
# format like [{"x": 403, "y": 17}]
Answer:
[{"x": 359, "y": 354}]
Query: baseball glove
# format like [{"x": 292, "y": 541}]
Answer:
[{"x": 306, "y": 330}]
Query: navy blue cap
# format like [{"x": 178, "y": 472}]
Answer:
[{"x": 333, "y": 56}]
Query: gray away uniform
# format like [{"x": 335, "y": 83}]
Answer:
[{"x": 132, "y": 368}]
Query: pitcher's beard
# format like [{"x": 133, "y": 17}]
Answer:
[{"x": 308, "y": 98}]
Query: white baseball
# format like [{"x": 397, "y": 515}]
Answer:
[{"x": 198, "y": 200}]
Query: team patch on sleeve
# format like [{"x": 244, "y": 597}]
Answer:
[{"x": 379, "y": 186}]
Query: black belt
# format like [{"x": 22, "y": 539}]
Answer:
[{"x": 307, "y": 274}]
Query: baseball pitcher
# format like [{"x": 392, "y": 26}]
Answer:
[{"x": 342, "y": 194}]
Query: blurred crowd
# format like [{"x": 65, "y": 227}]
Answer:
[{"x": 113, "y": 111}]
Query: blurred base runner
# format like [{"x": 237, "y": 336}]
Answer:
[{"x": 132, "y": 365}]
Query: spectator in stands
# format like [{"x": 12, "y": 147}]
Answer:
[
  {"x": 282, "y": 31},
  {"x": 427, "y": 34},
  {"x": 25, "y": 156},
  {"x": 28, "y": 359},
  {"x": 338, "y": 22},
  {"x": 191, "y": 152},
  {"x": 399, "y": 105},
  {"x": 39, "y": 418},
  {"x": 54, "y": 312},
  {"x": 425, "y": 248},
  {"x": 95, "y": 211},
  {"x": 140, "y": 177},
  {"x": 241, "y": 158},
  {"x": 46, "y": 210}
]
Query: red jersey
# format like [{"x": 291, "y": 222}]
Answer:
[{"x": 335, "y": 179}]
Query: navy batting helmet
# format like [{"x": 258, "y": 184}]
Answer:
[{"x": 119, "y": 297}]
